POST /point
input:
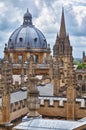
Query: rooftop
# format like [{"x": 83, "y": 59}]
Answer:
[
  {"x": 46, "y": 93},
  {"x": 48, "y": 124}
]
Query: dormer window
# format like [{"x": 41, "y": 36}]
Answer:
[
  {"x": 10, "y": 40},
  {"x": 44, "y": 40},
  {"x": 35, "y": 39},
  {"x": 21, "y": 39}
]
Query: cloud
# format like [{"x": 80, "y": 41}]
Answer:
[
  {"x": 79, "y": 45},
  {"x": 46, "y": 17}
]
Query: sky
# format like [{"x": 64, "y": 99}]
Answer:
[{"x": 46, "y": 17}]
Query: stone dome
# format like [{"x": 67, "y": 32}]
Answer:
[{"x": 27, "y": 36}]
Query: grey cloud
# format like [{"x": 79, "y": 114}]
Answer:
[
  {"x": 6, "y": 25},
  {"x": 72, "y": 26},
  {"x": 19, "y": 7},
  {"x": 24, "y": 4}
]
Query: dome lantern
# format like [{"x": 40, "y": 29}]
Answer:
[{"x": 27, "y": 18}]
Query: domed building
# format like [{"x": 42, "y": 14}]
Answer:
[{"x": 27, "y": 41}]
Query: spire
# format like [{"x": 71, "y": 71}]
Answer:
[{"x": 62, "y": 27}]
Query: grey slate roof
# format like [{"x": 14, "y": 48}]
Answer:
[
  {"x": 17, "y": 96},
  {"x": 27, "y": 35},
  {"x": 48, "y": 124},
  {"x": 46, "y": 93},
  {"x": 46, "y": 90},
  {"x": 83, "y": 119}
]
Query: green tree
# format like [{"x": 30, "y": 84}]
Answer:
[{"x": 81, "y": 66}]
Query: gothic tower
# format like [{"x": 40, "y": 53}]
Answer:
[{"x": 62, "y": 51}]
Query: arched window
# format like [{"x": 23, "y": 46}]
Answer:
[
  {"x": 79, "y": 77},
  {"x": 35, "y": 58},
  {"x": 60, "y": 63},
  {"x": 19, "y": 58},
  {"x": 85, "y": 77},
  {"x": 83, "y": 88},
  {"x": 61, "y": 48}
]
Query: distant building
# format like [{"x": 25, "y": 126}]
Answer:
[{"x": 84, "y": 58}]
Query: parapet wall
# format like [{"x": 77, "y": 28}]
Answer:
[{"x": 57, "y": 107}]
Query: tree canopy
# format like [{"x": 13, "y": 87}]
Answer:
[{"x": 81, "y": 66}]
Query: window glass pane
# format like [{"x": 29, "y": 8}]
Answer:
[{"x": 20, "y": 58}]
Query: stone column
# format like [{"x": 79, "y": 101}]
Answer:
[
  {"x": 33, "y": 101},
  {"x": 6, "y": 82},
  {"x": 56, "y": 79},
  {"x": 33, "y": 93},
  {"x": 22, "y": 75},
  {"x": 50, "y": 62},
  {"x": 71, "y": 95}
]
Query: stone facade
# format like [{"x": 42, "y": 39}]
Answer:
[{"x": 81, "y": 82}]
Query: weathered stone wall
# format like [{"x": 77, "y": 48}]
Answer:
[
  {"x": 19, "y": 113},
  {"x": 1, "y": 115},
  {"x": 58, "y": 108}
]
